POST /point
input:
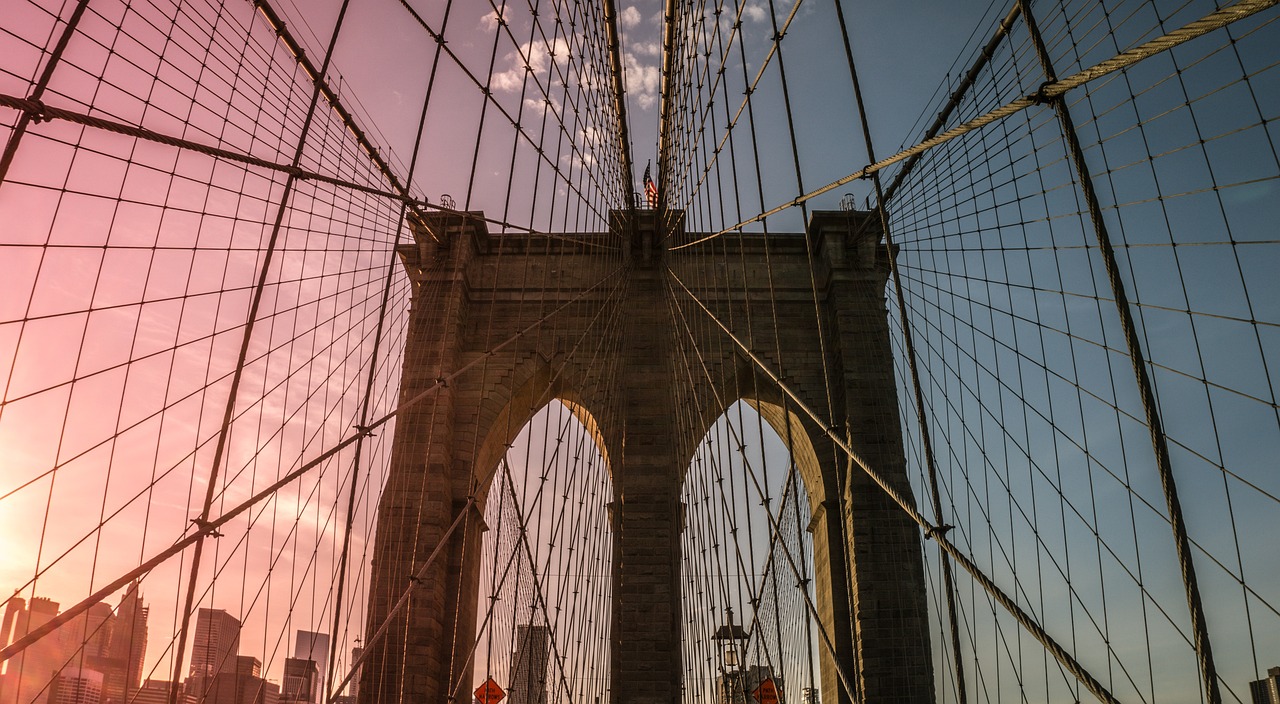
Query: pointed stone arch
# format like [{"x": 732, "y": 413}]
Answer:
[{"x": 876, "y": 600}]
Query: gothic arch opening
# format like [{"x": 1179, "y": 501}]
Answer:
[
  {"x": 754, "y": 499},
  {"x": 546, "y": 542}
]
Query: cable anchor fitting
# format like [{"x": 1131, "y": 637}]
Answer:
[
  {"x": 38, "y": 113},
  {"x": 937, "y": 531},
  {"x": 206, "y": 527},
  {"x": 1041, "y": 95}
]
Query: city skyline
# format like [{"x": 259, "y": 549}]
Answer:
[{"x": 111, "y": 655}]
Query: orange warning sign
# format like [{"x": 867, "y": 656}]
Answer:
[
  {"x": 490, "y": 692},
  {"x": 767, "y": 692}
]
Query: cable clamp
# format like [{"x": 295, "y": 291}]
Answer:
[
  {"x": 206, "y": 527},
  {"x": 365, "y": 431},
  {"x": 1040, "y": 96},
  {"x": 935, "y": 531},
  {"x": 39, "y": 112}
]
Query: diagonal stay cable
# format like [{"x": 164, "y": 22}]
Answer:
[
  {"x": 601, "y": 336},
  {"x": 490, "y": 99},
  {"x": 957, "y": 95},
  {"x": 212, "y": 525},
  {"x": 774, "y": 522},
  {"x": 620, "y": 102},
  {"x": 49, "y": 112},
  {"x": 903, "y": 502},
  {"x": 481, "y": 480},
  {"x": 1048, "y": 91},
  {"x": 287, "y": 196}
]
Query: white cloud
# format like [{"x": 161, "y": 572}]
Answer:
[
  {"x": 630, "y": 17},
  {"x": 648, "y": 49},
  {"x": 534, "y": 106},
  {"x": 642, "y": 81},
  {"x": 754, "y": 12},
  {"x": 540, "y": 57},
  {"x": 489, "y": 21}
]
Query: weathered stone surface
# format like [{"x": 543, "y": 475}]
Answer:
[{"x": 637, "y": 361}]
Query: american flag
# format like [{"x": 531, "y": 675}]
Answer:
[{"x": 650, "y": 188}]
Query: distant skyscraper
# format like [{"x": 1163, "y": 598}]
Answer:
[
  {"x": 308, "y": 645},
  {"x": 1267, "y": 689},
  {"x": 217, "y": 643},
  {"x": 248, "y": 666},
  {"x": 15, "y": 606},
  {"x": 300, "y": 678},
  {"x": 30, "y": 673},
  {"x": 112, "y": 643},
  {"x": 154, "y": 692},
  {"x": 353, "y": 689},
  {"x": 87, "y": 643},
  {"x": 78, "y": 686},
  {"x": 14, "y": 612},
  {"x": 157, "y": 692},
  {"x": 529, "y": 665},
  {"x": 89, "y": 635},
  {"x": 129, "y": 639}
]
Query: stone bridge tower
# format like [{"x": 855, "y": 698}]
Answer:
[{"x": 870, "y": 584}]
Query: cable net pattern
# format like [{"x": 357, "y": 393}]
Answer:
[
  {"x": 214, "y": 252},
  {"x": 204, "y": 317}
]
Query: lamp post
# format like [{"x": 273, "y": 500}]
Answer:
[{"x": 733, "y": 638}]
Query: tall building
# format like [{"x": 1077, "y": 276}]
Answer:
[
  {"x": 353, "y": 689},
  {"x": 1267, "y": 689},
  {"x": 154, "y": 692},
  {"x": 247, "y": 665},
  {"x": 78, "y": 686},
  {"x": 216, "y": 644},
  {"x": 129, "y": 641},
  {"x": 87, "y": 644},
  {"x": 300, "y": 679},
  {"x": 13, "y": 613},
  {"x": 157, "y": 692},
  {"x": 112, "y": 643},
  {"x": 231, "y": 688},
  {"x": 29, "y": 675},
  {"x": 308, "y": 645},
  {"x": 15, "y": 606},
  {"x": 88, "y": 635},
  {"x": 529, "y": 665}
]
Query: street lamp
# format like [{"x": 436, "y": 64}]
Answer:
[
  {"x": 730, "y": 634},
  {"x": 733, "y": 638}
]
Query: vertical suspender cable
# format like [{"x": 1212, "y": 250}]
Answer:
[
  {"x": 948, "y": 579},
  {"x": 344, "y": 555},
  {"x": 219, "y": 451},
  {"x": 1159, "y": 442},
  {"x": 620, "y": 105},
  {"x": 668, "y": 92},
  {"x": 970, "y": 77}
]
